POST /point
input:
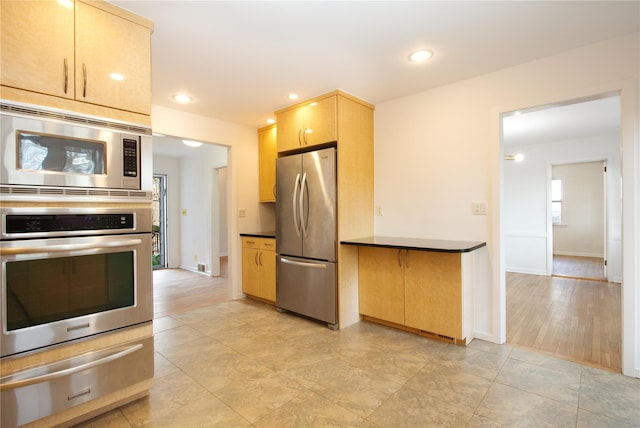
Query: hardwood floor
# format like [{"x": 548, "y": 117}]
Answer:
[
  {"x": 579, "y": 267},
  {"x": 178, "y": 290},
  {"x": 569, "y": 318}
]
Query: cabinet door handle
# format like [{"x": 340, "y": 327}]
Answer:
[
  {"x": 255, "y": 259},
  {"x": 260, "y": 258},
  {"x": 299, "y": 138},
  {"x": 66, "y": 75},
  {"x": 399, "y": 258},
  {"x": 406, "y": 259},
  {"x": 84, "y": 79}
]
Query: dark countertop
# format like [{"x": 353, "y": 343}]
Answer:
[
  {"x": 268, "y": 234},
  {"x": 435, "y": 245}
]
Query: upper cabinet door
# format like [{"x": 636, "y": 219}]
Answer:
[
  {"x": 320, "y": 122},
  {"x": 37, "y": 47},
  {"x": 289, "y": 128},
  {"x": 267, "y": 154},
  {"x": 108, "y": 44},
  {"x": 308, "y": 124}
]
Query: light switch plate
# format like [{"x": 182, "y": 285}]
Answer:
[{"x": 479, "y": 208}]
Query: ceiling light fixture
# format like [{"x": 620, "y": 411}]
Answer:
[
  {"x": 192, "y": 143},
  {"x": 182, "y": 98},
  {"x": 293, "y": 96},
  {"x": 116, "y": 76},
  {"x": 420, "y": 55},
  {"x": 271, "y": 121},
  {"x": 518, "y": 158},
  {"x": 66, "y": 3}
]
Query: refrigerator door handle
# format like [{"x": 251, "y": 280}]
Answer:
[
  {"x": 303, "y": 218},
  {"x": 295, "y": 192},
  {"x": 303, "y": 264}
]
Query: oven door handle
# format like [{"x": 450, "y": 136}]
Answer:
[
  {"x": 10, "y": 251},
  {"x": 67, "y": 372}
]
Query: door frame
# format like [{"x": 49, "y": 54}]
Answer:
[{"x": 630, "y": 166}]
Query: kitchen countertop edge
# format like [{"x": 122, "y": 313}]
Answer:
[
  {"x": 268, "y": 234},
  {"x": 433, "y": 245}
]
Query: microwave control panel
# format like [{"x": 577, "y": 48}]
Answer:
[{"x": 130, "y": 157}]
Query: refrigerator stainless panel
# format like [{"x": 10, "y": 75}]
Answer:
[
  {"x": 318, "y": 204},
  {"x": 288, "y": 234},
  {"x": 306, "y": 205},
  {"x": 307, "y": 287}
]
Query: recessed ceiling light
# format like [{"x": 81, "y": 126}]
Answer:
[
  {"x": 271, "y": 121},
  {"x": 182, "y": 98},
  {"x": 293, "y": 96},
  {"x": 192, "y": 143},
  {"x": 421, "y": 55},
  {"x": 116, "y": 76},
  {"x": 518, "y": 158}
]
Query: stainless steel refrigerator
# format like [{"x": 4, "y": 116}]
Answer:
[{"x": 306, "y": 235}]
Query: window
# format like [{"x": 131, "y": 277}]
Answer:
[{"x": 556, "y": 201}]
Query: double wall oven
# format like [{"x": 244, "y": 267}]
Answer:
[{"x": 75, "y": 256}]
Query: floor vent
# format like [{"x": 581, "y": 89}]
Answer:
[{"x": 201, "y": 267}]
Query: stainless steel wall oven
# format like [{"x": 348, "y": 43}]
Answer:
[{"x": 72, "y": 272}]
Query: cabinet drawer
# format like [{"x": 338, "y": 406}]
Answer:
[
  {"x": 42, "y": 391},
  {"x": 268, "y": 244}
]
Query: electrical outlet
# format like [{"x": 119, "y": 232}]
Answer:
[
  {"x": 379, "y": 210},
  {"x": 242, "y": 212}
]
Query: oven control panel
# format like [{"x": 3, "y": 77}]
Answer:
[{"x": 67, "y": 222}]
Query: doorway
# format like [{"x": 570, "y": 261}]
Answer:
[
  {"x": 543, "y": 312},
  {"x": 159, "y": 222},
  {"x": 578, "y": 215}
]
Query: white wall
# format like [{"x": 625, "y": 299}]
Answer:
[
  {"x": 528, "y": 235},
  {"x": 197, "y": 196},
  {"x": 438, "y": 151}
]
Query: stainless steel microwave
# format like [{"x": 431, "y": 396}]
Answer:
[{"x": 54, "y": 148}]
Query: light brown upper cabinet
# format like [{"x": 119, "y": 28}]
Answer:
[
  {"x": 308, "y": 124},
  {"x": 38, "y": 47},
  {"x": 93, "y": 53},
  {"x": 267, "y": 152}
]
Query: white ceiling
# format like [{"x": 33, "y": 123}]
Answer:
[
  {"x": 239, "y": 60},
  {"x": 563, "y": 122}
]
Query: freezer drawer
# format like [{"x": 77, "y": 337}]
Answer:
[{"x": 307, "y": 287}]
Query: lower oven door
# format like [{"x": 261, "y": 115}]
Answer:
[
  {"x": 48, "y": 389},
  {"x": 60, "y": 289}
]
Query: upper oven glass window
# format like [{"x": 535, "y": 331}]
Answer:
[
  {"x": 53, "y": 153},
  {"x": 41, "y": 291}
]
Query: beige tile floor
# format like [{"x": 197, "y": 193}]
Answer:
[{"x": 243, "y": 364}]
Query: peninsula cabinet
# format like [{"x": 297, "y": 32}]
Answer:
[
  {"x": 267, "y": 153},
  {"x": 423, "y": 286},
  {"x": 308, "y": 124},
  {"x": 259, "y": 267},
  {"x": 66, "y": 57}
]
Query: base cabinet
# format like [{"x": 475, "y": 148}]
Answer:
[
  {"x": 420, "y": 290},
  {"x": 259, "y": 268}
]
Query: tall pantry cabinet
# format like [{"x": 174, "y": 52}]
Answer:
[{"x": 346, "y": 121}]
